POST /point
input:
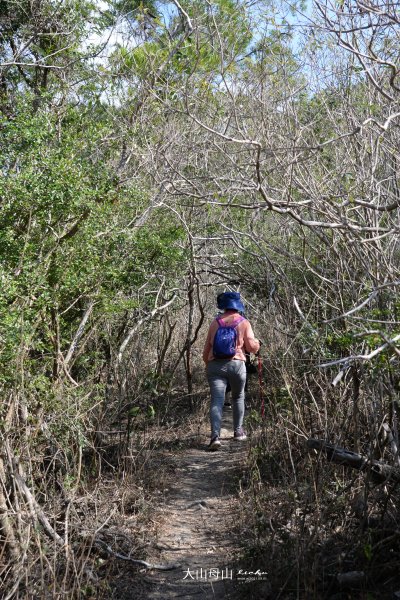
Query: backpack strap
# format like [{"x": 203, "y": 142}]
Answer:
[
  {"x": 234, "y": 324},
  {"x": 240, "y": 319}
]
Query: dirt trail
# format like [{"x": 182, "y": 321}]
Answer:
[{"x": 198, "y": 519}]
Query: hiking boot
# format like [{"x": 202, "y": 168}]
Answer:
[
  {"x": 240, "y": 435},
  {"x": 215, "y": 444}
]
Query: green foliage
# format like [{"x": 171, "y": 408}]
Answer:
[
  {"x": 134, "y": 8},
  {"x": 64, "y": 238}
]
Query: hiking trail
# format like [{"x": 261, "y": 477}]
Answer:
[{"x": 196, "y": 524}]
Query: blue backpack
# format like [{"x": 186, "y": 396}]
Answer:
[{"x": 225, "y": 339}]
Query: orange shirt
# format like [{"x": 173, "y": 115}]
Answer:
[{"x": 245, "y": 337}]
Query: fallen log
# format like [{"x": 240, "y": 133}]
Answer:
[{"x": 379, "y": 471}]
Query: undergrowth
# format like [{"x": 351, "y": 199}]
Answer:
[{"x": 320, "y": 530}]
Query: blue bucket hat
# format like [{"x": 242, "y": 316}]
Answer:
[{"x": 230, "y": 300}]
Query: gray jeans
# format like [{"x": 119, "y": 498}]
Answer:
[{"x": 219, "y": 373}]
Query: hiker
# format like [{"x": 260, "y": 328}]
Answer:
[{"x": 229, "y": 337}]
